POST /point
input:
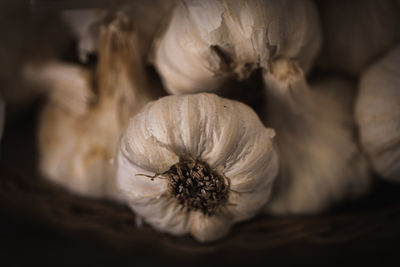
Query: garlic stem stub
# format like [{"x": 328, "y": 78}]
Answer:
[
  {"x": 320, "y": 161},
  {"x": 196, "y": 164},
  {"x": 86, "y": 113},
  {"x": 208, "y": 41},
  {"x": 378, "y": 114}
]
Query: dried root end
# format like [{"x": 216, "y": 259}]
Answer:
[{"x": 197, "y": 187}]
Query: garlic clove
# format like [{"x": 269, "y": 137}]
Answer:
[
  {"x": 245, "y": 205},
  {"x": 209, "y": 41},
  {"x": 357, "y": 32},
  {"x": 163, "y": 214},
  {"x": 209, "y": 228},
  {"x": 320, "y": 162},
  {"x": 378, "y": 114},
  {"x": 146, "y": 188},
  {"x": 172, "y": 141}
]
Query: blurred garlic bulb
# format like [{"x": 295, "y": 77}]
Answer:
[
  {"x": 147, "y": 15},
  {"x": 378, "y": 114},
  {"x": 320, "y": 162},
  {"x": 208, "y": 41},
  {"x": 357, "y": 32},
  {"x": 81, "y": 124},
  {"x": 196, "y": 164}
]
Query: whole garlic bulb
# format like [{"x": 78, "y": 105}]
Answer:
[
  {"x": 208, "y": 41},
  {"x": 196, "y": 164},
  {"x": 85, "y": 116},
  {"x": 320, "y": 162},
  {"x": 378, "y": 114},
  {"x": 357, "y": 32}
]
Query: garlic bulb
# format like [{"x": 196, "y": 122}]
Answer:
[
  {"x": 357, "y": 32},
  {"x": 208, "y": 41},
  {"x": 196, "y": 163},
  {"x": 81, "y": 124},
  {"x": 147, "y": 15},
  {"x": 378, "y": 114},
  {"x": 320, "y": 162}
]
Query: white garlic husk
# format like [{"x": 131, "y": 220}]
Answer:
[
  {"x": 81, "y": 125},
  {"x": 320, "y": 161},
  {"x": 208, "y": 41},
  {"x": 200, "y": 132},
  {"x": 378, "y": 114},
  {"x": 357, "y": 32}
]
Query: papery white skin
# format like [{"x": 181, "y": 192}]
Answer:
[
  {"x": 208, "y": 41},
  {"x": 226, "y": 134},
  {"x": 81, "y": 125},
  {"x": 378, "y": 114},
  {"x": 320, "y": 162},
  {"x": 357, "y": 32}
]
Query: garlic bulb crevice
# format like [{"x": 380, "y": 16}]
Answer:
[
  {"x": 320, "y": 160},
  {"x": 227, "y": 155}
]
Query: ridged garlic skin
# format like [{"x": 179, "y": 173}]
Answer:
[
  {"x": 208, "y": 41},
  {"x": 226, "y": 134},
  {"x": 357, "y": 32},
  {"x": 81, "y": 124},
  {"x": 378, "y": 114},
  {"x": 320, "y": 161}
]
